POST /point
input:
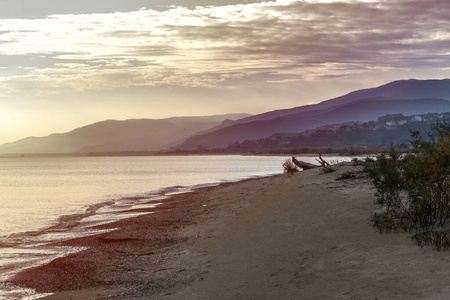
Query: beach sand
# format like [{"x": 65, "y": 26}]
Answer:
[{"x": 300, "y": 236}]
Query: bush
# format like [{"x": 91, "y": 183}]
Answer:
[
  {"x": 289, "y": 167},
  {"x": 439, "y": 239},
  {"x": 414, "y": 189}
]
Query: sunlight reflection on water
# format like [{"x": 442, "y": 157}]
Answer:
[{"x": 45, "y": 200}]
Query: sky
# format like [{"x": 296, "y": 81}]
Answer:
[{"x": 66, "y": 64}]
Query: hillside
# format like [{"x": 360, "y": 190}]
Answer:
[
  {"x": 358, "y": 110},
  {"x": 386, "y": 130},
  {"x": 357, "y": 136},
  {"x": 113, "y": 135},
  {"x": 401, "y": 89},
  {"x": 408, "y": 97}
]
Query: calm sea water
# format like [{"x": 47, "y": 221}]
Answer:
[
  {"x": 34, "y": 192},
  {"x": 48, "y": 199}
]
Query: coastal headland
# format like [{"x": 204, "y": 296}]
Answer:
[{"x": 305, "y": 235}]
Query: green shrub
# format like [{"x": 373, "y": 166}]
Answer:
[
  {"x": 414, "y": 189},
  {"x": 439, "y": 239}
]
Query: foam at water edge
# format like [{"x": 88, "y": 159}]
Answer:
[
  {"x": 78, "y": 225},
  {"x": 9, "y": 291},
  {"x": 35, "y": 257}
]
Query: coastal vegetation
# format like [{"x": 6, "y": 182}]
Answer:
[
  {"x": 289, "y": 167},
  {"x": 413, "y": 189}
]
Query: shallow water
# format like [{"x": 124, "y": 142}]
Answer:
[
  {"x": 53, "y": 199},
  {"x": 34, "y": 192}
]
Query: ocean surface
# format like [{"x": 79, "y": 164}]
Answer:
[{"x": 52, "y": 199}]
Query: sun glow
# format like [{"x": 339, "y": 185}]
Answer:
[{"x": 216, "y": 56}]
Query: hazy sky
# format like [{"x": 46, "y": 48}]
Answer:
[{"x": 65, "y": 64}]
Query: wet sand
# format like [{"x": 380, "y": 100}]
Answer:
[{"x": 300, "y": 236}]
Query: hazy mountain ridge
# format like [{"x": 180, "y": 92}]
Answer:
[
  {"x": 350, "y": 137},
  {"x": 114, "y": 135},
  {"x": 401, "y": 89},
  {"x": 390, "y": 129},
  {"x": 362, "y": 110},
  {"x": 407, "y": 97}
]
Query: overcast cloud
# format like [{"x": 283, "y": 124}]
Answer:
[
  {"x": 23, "y": 9},
  {"x": 251, "y": 46}
]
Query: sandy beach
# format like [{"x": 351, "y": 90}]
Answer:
[{"x": 300, "y": 236}]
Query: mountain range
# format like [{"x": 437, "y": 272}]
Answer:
[
  {"x": 361, "y": 137},
  {"x": 362, "y": 110},
  {"x": 408, "y": 97},
  {"x": 404, "y": 96},
  {"x": 117, "y": 136}
]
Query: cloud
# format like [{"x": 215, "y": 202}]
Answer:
[{"x": 254, "y": 43}]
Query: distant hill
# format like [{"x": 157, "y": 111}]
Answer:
[
  {"x": 407, "y": 97},
  {"x": 364, "y": 110},
  {"x": 116, "y": 136},
  {"x": 358, "y": 136},
  {"x": 389, "y": 129},
  {"x": 401, "y": 89}
]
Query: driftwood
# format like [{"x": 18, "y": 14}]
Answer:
[
  {"x": 303, "y": 165},
  {"x": 327, "y": 168}
]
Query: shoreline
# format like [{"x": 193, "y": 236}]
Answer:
[
  {"x": 161, "y": 223},
  {"x": 299, "y": 236},
  {"x": 21, "y": 247}
]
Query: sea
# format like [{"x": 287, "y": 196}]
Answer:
[{"x": 48, "y": 199}]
